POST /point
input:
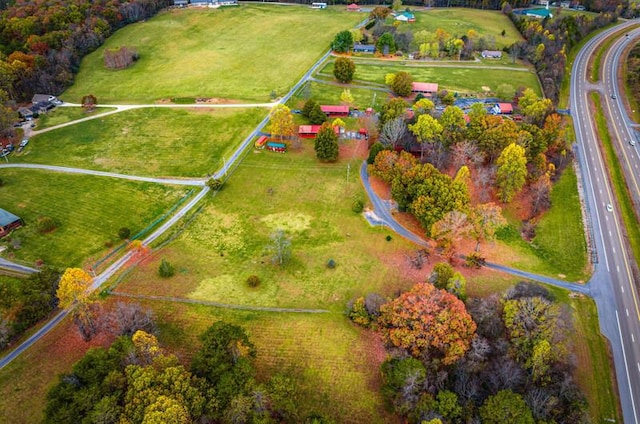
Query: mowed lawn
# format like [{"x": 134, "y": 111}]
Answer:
[
  {"x": 240, "y": 53},
  {"x": 89, "y": 212},
  {"x": 311, "y": 202},
  {"x": 472, "y": 80},
  {"x": 147, "y": 142},
  {"x": 329, "y": 94},
  {"x": 458, "y": 21}
]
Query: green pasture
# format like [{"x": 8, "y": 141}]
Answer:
[
  {"x": 560, "y": 236},
  {"x": 89, "y": 211},
  {"x": 457, "y": 78},
  {"x": 61, "y": 115},
  {"x": 326, "y": 93},
  {"x": 242, "y": 53},
  {"x": 227, "y": 242},
  {"x": 559, "y": 248},
  {"x": 459, "y": 21},
  {"x": 149, "y": 142}
]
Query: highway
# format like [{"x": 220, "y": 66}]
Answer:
[{"x": 612, "y": 284}]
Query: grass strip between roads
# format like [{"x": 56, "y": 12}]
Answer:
[
  {"x": 617, "y": 179},
  {"x": 597, "y": 61}
]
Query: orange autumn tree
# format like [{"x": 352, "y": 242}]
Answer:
[{"x": 429, "y": 323}]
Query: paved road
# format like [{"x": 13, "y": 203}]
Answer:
[
  {"x": 176, "y": 181},
  {"x": 20, "y": 269},
  {"x": 612, "y": 284}
]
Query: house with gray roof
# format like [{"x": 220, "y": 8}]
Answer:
[{"x": 9, "y": 222}]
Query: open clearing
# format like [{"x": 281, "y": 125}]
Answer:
[
  {"x": 147, "y": 142},
  {"x": 229, "y": 240},
  {"x": 240, "y": 53},
  {"x": 89, "y": 211}
]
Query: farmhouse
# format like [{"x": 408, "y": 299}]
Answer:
[
  {"x": 332, "y": 111},
  {"x": 503, "y": 109},
  {"x": 491, "y": 54},
  {"x": 426, "y": 88},
  {"x": 364, "y": 48},
  {"x": 353, "y": 8},
  {"x": 8, "y": 222},
  {"x": 311, "y": 131}
]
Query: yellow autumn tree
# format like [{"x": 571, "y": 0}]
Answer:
[
  {"x": 73, "y": 287},
  {"x": 146, "y": 346}
]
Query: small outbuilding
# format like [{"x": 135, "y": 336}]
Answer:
[
  {"x": 332, "y": 111},
  {"x": 311, "y": 131},
  {"x": 353, "y": 8},
  {"x": 426, "y": 88},
  {"x": 9, "y": 222},
  {"x": 491, "y": 54},
  {"x": 406, "y": 17},
  {"x": 364, "y": 48},
  {"x": 503, "y": 109}
]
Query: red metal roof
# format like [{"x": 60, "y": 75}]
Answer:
[
  {"x": 308, "y": 129},
  {"x": 335, "y": 109},
  {"x": 353, "y": 6},
  {"x": 424, "y": 87},
  {"x": 505, "y": 107}
]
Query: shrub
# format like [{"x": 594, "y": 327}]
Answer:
[
  {"x": 343, "y": 69},
  {"x": 358, "y": 313},
  {"x": 253, "y": 281},
  {"x": 358, "y": 205},
  {"x": 388, "y": 237},
  {"x": 45, "y": 224},
  {"x": 474, "y": 260},
  {"x": 124, "y": 233},
  {"x": 331, "y": 264},
  {"x": 1, "y": 182},
  {"x": 373, "y": 152},
  {"x": 215, "y": 184},
  {"x": 165, "y": 269}
]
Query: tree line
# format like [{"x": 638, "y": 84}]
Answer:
[
  {"x": 136, "y": 380},
  {"x": 504, "y": 358}
]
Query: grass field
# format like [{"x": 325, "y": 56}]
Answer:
[
  {"x": 148, "y": 142},
  {"x": 330, "y": 94},
  {"x": 560, "y": 233},
  {"x": 453, "y": 78},
  {"x": 458, "y": 21},
  {"x": 312, "y": 202},
  {"x": 89, "y": 211},
  {"x": 61, "y": 115},
  {"x": 240, "y": 53}
]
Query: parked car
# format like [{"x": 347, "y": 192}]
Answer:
[{"x": 24, "y": 142}]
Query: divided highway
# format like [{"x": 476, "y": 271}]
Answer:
[{"x": 612, "y": 284}]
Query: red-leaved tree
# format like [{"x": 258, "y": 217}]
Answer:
[{"x": 429, "y": 323}]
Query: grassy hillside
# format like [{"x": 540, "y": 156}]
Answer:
[
  {"x": 240, "y": 53},
  {"x": 88, "y": 210},
  {"x": 149, "y": 142}
]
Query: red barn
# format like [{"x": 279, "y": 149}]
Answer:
[
  {"x": 311, "y": 131},
  {"x": 332, "y": 111},
  {"x": 426, "y": 88}
]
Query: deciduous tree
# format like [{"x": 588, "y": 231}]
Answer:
[
  {"x": 506, "y": 407},
  {"x": 427, "y": 130},
  {"x": 386, "y": 44},
  {"x": 281, "y": 121},
  {"x": 343, "y": 42},
  {"x": 326, "y": 143},
  {"x": 73, "y": 287},
  {"x": 393, "y": 133},
  {"x": 280, "y": 247},
  {"x": 429, "y": 323},
  {"x": 402, "y": 84},
  {"x": 343, "y": 69},
  {"x": 394, "y": 108},
  {"x": 512, "y": 172}
]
